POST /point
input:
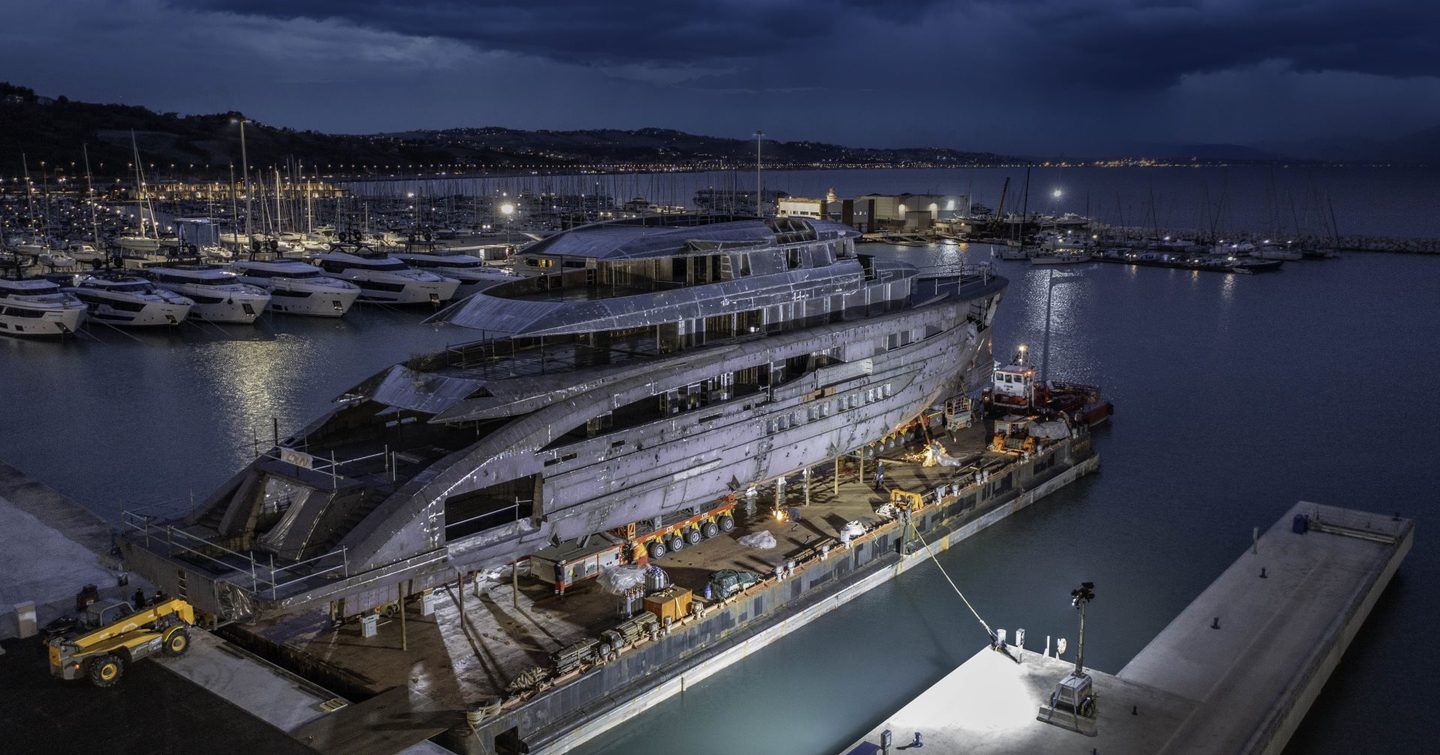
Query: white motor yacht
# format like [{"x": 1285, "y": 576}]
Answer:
[
  {"x": 219, "y": 294},
  {"x": 384, "y": 279},
  {"x": 130, "y": 301},
  {"x": 84, "y": 251},
  {"x": 297, "y": 288},
  {"x": 38, "y": 307},
  {"x": 472, "y": 272}
]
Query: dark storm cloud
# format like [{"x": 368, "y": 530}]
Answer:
[
  {"x": 581, "y": 31},
  {"x": 986, "y": 74},
  {"x": 1127, "y": 45},
  {"x": 1120, "y": 45}
]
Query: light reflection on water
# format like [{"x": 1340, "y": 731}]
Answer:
[{"x": 154, "y": 420}]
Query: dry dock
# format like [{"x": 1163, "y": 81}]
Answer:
[{"x": 1241, "y": 687}]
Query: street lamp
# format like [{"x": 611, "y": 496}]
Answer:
[{"x": 507, "y": 209}]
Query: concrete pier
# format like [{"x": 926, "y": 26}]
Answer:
[
  {"x": 51, "y": 547},
  {"x": 1242, "y": 687}
]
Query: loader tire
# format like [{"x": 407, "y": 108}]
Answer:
[
  {"x": 177, "y": 642},
  {"x": 106, "y": 670}
]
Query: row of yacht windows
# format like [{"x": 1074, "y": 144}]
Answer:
[{"x": 820, "y": 409}]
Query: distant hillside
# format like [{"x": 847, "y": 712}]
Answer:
[{"x": 53, "y": 130}]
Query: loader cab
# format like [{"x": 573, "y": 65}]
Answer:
[{"x": 105, "y": 613}]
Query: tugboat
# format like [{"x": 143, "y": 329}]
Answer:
[{"x": 1016, "y": 390}]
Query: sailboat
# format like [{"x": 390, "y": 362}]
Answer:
[{"x": 142, "y": 245}]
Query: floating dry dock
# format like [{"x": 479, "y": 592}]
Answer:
[{"x": 1243, "y": 687}]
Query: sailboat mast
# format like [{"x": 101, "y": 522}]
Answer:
[
  {"x": 139, "y": 186},
  {"x": 90, "y": 192},
  {"x": 29, "y": 190}
]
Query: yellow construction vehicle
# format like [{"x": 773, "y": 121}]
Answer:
[
  {"x": 112, "y": 635},
  {"x": 904, "y": 499}
]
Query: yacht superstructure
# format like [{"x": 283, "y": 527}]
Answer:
[
  {"x": 664, "y": 364},
  {"x": 38, "y": 307},
  {"x": 298, "y": 288}
]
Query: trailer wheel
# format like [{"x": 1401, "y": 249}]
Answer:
[
  {"x": 727, "y": 523},
  {"x": 177, "y": 642},
  {"x": 106, "y": 670},
  {"x": 656, "y": 549},
  {"x": 676, "y": 544},
  {"x": 693, "y": 536},
  {"x": 709, "y": 529}
]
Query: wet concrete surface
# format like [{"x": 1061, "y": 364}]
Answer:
[{"x": 151, "y": 711}]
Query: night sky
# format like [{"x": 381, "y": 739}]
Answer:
[{"x": 1051, "y": 76}]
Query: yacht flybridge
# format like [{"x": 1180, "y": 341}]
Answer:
[
  {"x": 655, "y": 366},
  {"x": 384, "y": 279},
  {"x": 297, "y": 288},
  {"x": 38, "y": 307}
]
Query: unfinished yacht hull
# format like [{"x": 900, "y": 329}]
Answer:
[{"x": 646, "y": 385}]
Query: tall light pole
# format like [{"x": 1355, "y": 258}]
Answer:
[
  {"x": 758, "y": 192},
  {"x": 245, "y": 173},
  {"x": 507, "y": 209},
  {"x": 1079, "y": 598}
]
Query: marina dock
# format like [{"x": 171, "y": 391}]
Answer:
[
  {"x": 53, "y": 547},
  {"x": 1236, "y": 671}
]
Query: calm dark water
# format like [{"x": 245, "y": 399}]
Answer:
[
  {"x": 149, "y": 420},
  {"x": 1401, "y": 202},
  {"x": 1236, "y": 397}
]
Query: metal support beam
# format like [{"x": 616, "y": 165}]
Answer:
[{"x": 404, "y": 641}]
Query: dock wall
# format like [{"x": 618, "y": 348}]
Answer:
[{"x": 1290, "y": 709}]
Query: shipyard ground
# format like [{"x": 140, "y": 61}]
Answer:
[
  {"x": 1235, "y": 672},
  {"x": 216, "y": 698},
  {"x": 504, "y": 634}
]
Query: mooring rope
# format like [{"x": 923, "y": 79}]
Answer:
[{"x": 988, "y": 631}]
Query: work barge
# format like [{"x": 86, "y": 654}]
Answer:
[
  {"x": 657, "y": 389},
  {"x": 537, "y": 667}
]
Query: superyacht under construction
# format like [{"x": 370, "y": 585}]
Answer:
[{"x": 642, "y": 369}]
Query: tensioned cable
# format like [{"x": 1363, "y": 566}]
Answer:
[{"x": 988, "y": 631}]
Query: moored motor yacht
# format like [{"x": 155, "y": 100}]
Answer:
[
  {"x": 383, "y": 279},
  {"x": 38, "y": 307},
  {"x": 297, "y": 288},
  {"x": 129, "y": 301},
  {"x": 219, "y": 294},
  {"x": 472, "y": 272}
]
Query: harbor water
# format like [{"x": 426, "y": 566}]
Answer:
[
  {"x": 1265, "y": 199},
  {"x": 1236, "y": 396}
]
